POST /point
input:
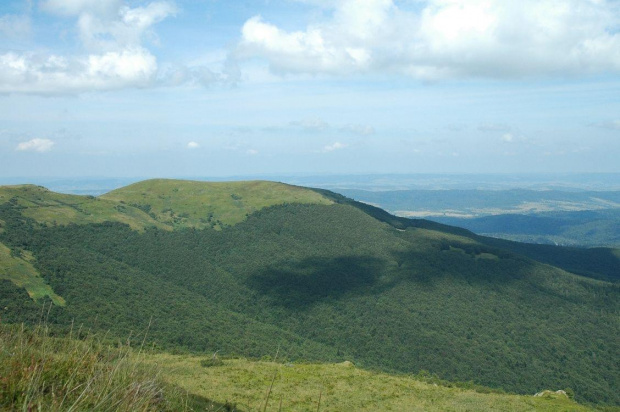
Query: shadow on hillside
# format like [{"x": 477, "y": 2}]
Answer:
[
  {"x": 469, "y": 263},
  {"x": 302, "y": 283}
]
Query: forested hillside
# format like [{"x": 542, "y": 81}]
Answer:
[{"x": 324, "y": 279}]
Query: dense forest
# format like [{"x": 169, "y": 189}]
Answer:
[{"x": 332, "y": 282}]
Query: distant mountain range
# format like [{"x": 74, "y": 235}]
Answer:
[
  {"x": 568, "y": 218},
  {"x": 247, "y": 267}
]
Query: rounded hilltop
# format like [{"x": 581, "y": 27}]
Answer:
[{"x": 186, "y": 203}]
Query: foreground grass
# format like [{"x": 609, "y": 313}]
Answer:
[
  {"x": 40, "y": 372},
  {"x": 78, "y": 373},
  {"x": 258, "y": 386}
]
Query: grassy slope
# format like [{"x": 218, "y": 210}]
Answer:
[
  {"x": 41, "y": 372},
  {"x": 165, "y": 204},
  {"x": 50, "y": 208},
  {"x": 340, "y": 387},
  {"x": 20, "y": 271},
  {"x": 201, "y": 204}
]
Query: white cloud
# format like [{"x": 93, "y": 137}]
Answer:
[
  {"x": 508, "y": 137},
  {"x": 127, "y": 27},
  {"x": 334, "y": 146},
  {"x": 193, "y": 145},
  {"x": 14, "y": 26},
  {"x": 36, "y": 145},
  {"x": 251, "y": 152},
  {"x": 112, "y": 34},
  {"x": 31, "y": 73},
  {"x": 446, "y": 38}
]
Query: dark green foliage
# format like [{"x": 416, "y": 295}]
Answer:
[
  {"x": 596, "y": 263},
  {"x": 16, "y": 306},
  {"x": 335, "y": 283}
]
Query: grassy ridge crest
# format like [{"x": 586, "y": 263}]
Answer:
[
  {"x": 51, "y": 208},
  {"x": 184, "y": 203},
  {"x": 163, "y": 203}
]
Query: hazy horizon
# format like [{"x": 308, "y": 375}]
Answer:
[{"x": 97, "y": 185}]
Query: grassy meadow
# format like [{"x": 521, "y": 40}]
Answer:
[
  {"x": 50, "y": 208},
  {"x": 42, "y": 372},
  {"x": 179, "y": 203},
  {"x": 265, "y": 385}
]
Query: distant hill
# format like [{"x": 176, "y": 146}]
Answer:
[
  {"x": 161, "y": 203},
  {"x": 52, "y": 208},
  {"x": 475, "y": 203},
  {"x": 321, "y": 276},
  {"x": 182, "y": 203},
  {"x": 583, "y": 228}
]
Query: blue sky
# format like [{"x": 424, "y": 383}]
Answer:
[{"x": 220, "y": 88}]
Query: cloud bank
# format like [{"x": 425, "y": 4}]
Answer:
[
  {"x": 111, "y": 33},
  {"x": 436, "y": 39},
  {"x": 35, "y": 145}
]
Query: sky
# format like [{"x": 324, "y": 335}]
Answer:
[{"x": 221, "y": 88}]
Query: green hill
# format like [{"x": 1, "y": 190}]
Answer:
[
  {"x": 51, "y": 208},
  {"x": 179, "y": 203},
  {"x": 325, "y": 279},
  {"x": 162, "y": 203}
]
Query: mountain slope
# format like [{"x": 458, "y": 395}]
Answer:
[
  {"x": 332, "y": 282},
  {"x": 597, "y": 263},
  {"x": 179, "y": 203},
  {"x": 18, "y": 269},
  {"x": 339, "y": 387},
  {"x": 52, "y": 208}
]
